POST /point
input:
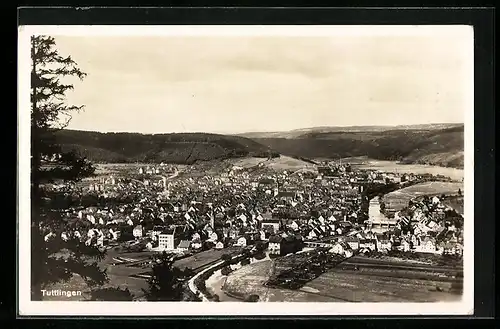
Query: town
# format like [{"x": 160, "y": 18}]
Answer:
[{"x": 181, "y": 211}]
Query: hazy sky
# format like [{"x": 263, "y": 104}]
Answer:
[{"x": 226, "y": 84}]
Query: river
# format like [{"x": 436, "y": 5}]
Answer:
[{"x": 394, "y": 166}]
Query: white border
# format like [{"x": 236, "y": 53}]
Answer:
[{"x": 28, "y": 307}]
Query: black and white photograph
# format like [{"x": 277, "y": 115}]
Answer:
[{"x": 216, "y": 168}]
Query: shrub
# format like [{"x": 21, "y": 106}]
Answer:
[
  {"x": 226, "y": 270},
  {"x": 252, "y": 298},
  {"x": 260, "y": 256},
  {"x": 226, "y": 257}
]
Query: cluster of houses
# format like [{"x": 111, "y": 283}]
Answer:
[
  {"x": 432, "y": 227},
  {"x": 426, "y": 226},
  {"x": 285, "y": 210}
]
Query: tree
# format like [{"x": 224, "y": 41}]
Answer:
[
  {"x": 166, "y": 282},
  {"x": 226, "y": 270},
  {"x": 226, "y": 257},
  {"x": 260, "y": 255},
  {"x": 54, "y": 260},
  {"x": 252, "y": 298}
]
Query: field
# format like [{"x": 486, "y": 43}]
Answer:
[
  {"x": 204, "y": 258},
  {"x": 250, "y": 280},
  {"x": 278, "y": 163},
  {"x": 456, "y": 203},
  {"x": 353, "y": 287},
  {"x": 412, "y": 283},
  {"x": 399, "y": 199}
]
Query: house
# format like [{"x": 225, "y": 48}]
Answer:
[
  {"x": 137, "y": 232},
  {"x": 262, "y": 236},
  {"x": 367, "y": 244},
  {"x": 337, "y": 249},
  {"x": 274, "y": 246},
  {"x": 404, "y": 245},
  {"x": 312, "y": 235},
  {"x": 353, "y": 242},
  {"x": 230, "y": 233},
  {"x": 459, "y": 249},
  {"x": 196, "y": 244},
  {"x": 273, "y": 224},
  {"x": 348, "y": 252},
  {"x": 241, "y": 242},
  {"x": 114, "y": 234},
  {"x": 450, "y": 248},
  {"x": 213, "y": 236},
  {"x": 184, "y": 245},
  {"x": 166, "y": 240},
  {"x": 294, "y": 226},
  {"x": 155, "y": 232},
  {"x": 384, "y": 245},
  {"x": 100, "y": 240},
  {"x": 414, "y": 240},
  {"x": 427, "y": 245}
]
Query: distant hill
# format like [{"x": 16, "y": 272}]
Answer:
[
  {"x": 302, "y": 133},
  {"x": 182, "y": 148},
  {"x": 437, "y": 144},
  {"x": 441, "y": 145}
]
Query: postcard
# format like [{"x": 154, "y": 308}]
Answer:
[{"x": 245, "y": 170}]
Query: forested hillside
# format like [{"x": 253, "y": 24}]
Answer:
[
  {"x": 183, "y": 148},
  {"x": 443, "y": 147}
]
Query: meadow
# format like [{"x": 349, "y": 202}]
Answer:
[
  {"x": 398, "y": 199},
  {"x": 417, "y": 283}
]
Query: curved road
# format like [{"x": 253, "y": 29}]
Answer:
[{"x": 192, "y": 285}]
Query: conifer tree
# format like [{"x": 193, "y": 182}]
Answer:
[
  {"x": 167, "y": 282},
  {"x": 55, "y": 255}
]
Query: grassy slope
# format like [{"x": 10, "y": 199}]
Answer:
[{"x": 174, "y": 148}]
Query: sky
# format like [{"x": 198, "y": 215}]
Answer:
[{"x": 236, "y": 84}]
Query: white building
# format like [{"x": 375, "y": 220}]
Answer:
[
  {"x": 274, "y": 246},
  {"x": 337, "y": 249},
  {"x": 242, "y": 242},
  {"x": 274, "y": 223},
  {"x": 137, "y": 232},
  {"x": 166, "y": 240}
]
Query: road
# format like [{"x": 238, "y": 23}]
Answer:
[{"x": 191, "y": 282}]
